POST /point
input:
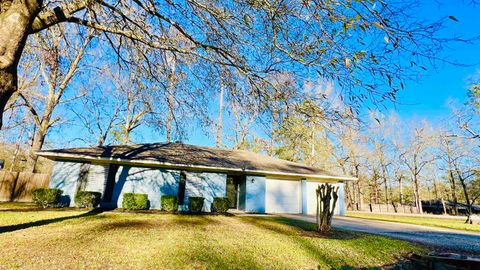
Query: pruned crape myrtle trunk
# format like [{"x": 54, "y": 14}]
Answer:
[{"x": 325, "y": 206}]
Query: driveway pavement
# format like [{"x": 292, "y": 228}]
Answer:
[{"x": 433, "y": 236}]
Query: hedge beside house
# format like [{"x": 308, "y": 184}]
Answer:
[
  {"x": 88, "y": 199},
  {"x": 195, "y": 204},
  {"x": 169, "y": 203},
  {"x": 220, "y": 204},
  {"x": 47, "y": 197},
  {"x": 135, "y": 201}
]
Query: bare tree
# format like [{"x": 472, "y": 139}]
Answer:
[
  {"x": 136, "y": 104},
  {"x": 447, "y": 155},
  {"x": 416, "y": 158},
  {"x": 58, "y": 61},
  {"x": 98, "y": 114}
]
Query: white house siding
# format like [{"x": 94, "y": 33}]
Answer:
[
  {"x": 309, "y": 191},
  {"x": 65, "y": 177},
  {"x": 282, "y": 196},
  {"x": 154, "y": 182},
  {"x": 206, "y": 185},
  {"x": 255, "y": 194},
  {"x": 97, "y": 177}
]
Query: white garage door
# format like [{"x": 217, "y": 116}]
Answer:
[
  {"x": 312, "y": 200},
  {"x": 282, "y": 196}
]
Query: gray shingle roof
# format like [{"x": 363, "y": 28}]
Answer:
[{"x": 189, "y": 155}]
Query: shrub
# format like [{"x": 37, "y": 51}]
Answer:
[
  {"x": 87, "y": 199},
  {"x": 169, "y": 203},
  {"x": 195, "y": 204},
  {"x": 220, "y": 204},
  {"x": 47, "y": 197},
  {"x": 135, "y": 201}
]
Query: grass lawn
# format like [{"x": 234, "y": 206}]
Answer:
[
  {"x": 71, "y": 239},
  {"x": 458, "y": 224}
]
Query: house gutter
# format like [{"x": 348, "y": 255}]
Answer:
[{"x": 63, "y": 156}]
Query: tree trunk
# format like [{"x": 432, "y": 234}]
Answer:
[
  {"x": 453, "y": 186},
  {"x": 467, "y": 197},
  {"x": 416, "y": 193},
  {"x": 273, "y": 139},
  {"x": 354, "y": 197},
  {"x": 37, "y": 145},
  {"x": 8, "y": 86},
  {"x": 220, "y": 116},
  {"x": 400, "y": 187},
  {"x": 435, "y": 187},
  {"x": 348, "y": 196},
  {"x": 170, "y": 111},
  {"x": 172, "y": 64},
  {"x": 385, "y": 183},
  {"x": 360, "y": 197},
  {"x": 325, "y": 206},
  {"x": 375, "y": 186},
  {"x": 16, "y": 18}
]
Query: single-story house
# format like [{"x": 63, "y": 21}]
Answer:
[{"x": 253, "y": 182}]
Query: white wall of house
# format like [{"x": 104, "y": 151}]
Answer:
[
  {"x": 97, "y": 177},
  {"x": 260, "y": 194},
  {"x": 154, "y": 182},
  {"x": 65, "y": 177},
  {"x": 283, "y": 196},
  {"x": 207, "y": 185}
]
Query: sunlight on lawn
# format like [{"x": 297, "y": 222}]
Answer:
[
  {"x": 145, "y": 241},
  {"x": 458, "y": 224}
]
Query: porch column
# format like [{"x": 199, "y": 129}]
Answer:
[
  {"x": 341, "y": 199},
  {"x": 304, "y": 197}
]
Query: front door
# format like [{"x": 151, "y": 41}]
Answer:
[{"x": 232, "y": 191}]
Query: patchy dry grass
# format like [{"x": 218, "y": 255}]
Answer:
[
  {"x": 112, "y": 240},
  {"x": 16, "y": 205},
  {"x": 457, "y": 224}
]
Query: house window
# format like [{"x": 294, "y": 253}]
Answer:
[{"x": 181, "y": 188}]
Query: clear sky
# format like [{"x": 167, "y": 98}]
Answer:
[{"x": 428, "y": 97}]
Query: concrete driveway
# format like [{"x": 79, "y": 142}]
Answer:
[{"x": 438, "y": 237}]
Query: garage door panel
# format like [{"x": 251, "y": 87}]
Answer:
[
  {"x": 311, "y": 194},
  {"x": 282, "y": 196}
]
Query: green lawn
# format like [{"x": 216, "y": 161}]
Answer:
[
  {"x": 110, "y": 240},
  {"x": 15, "y": 205},
  {"x": 458, "y": 224}
]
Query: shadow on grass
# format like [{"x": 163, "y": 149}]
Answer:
[
  {"x": 16, "y": 227},
  {"x": 308, "y": 230}
]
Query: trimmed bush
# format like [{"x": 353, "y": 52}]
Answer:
[
  {"x": 195, "y": 204},
  {"x": 135, "y": 201},
  {"x": 220, "y": 204},
  {"x": 47, "y": 197},
  {"x": 169, "y": 203},
  {"x": 88, "y": 199}
]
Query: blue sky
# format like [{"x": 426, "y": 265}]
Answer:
[{"x": 428, "y": 97}]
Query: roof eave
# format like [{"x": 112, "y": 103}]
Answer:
[{"x": 77, "y": 157}]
